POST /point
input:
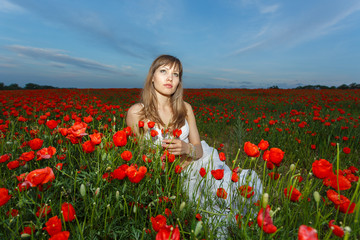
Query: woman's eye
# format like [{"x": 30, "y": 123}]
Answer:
[
  {"x": 163, "y": 71},
  {"x": 176, "y": 74}
]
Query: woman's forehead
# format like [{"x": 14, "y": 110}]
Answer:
[{"x": 172, "y": 65}]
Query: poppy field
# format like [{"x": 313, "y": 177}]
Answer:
[{"x": 70, "y": 168}]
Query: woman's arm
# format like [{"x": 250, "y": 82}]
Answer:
[
  {"x": 193, "y": 149},
  {"x": 133, "y": 117},
  {"x": 194, "y": 137}
]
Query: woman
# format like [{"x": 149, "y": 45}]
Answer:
[{"x": 162, "y": 103}]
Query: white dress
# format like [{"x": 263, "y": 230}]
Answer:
[{"x": 203, "y": 190}]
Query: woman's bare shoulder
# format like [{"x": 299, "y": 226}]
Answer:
[
  {"x": 188, "y": 106},
  {"x": 135, "y": 109}
]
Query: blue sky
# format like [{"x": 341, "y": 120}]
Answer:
[{"x": 221, "y": 43}]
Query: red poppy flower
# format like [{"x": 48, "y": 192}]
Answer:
[
  {"x": 221, "y": 193},
  {"x": 77, "y": 130},
  {"x": 45, "y": 153},
  {"x": 68, "y": 212},
  {"x": 339, "y": 182},
  {"x": 36, "y": 143},
  {"x": 61, "y": 236},
  {"x": 134, "y": 175},
  {"x": 126, "y": 155},
  {"x": 322, "y": 168},
  {"x": 154, "y": 133},
  {"x": 120, "y": 139},
  {"x": 120, "y": 172},
  {"x": 346, "y": 150},
  {"x": 313, "y": 146},
  {"x": 167, "y": 231},
  {"x": 263, "y": 145},
  {"x": 141, "y": 124},
  {"x": 198, "y": 217},
  {"x": 274, "y": 176},
  {"x": 336, "y": 230},
  {"x": 40, "y": 176},
  {"x": 177, "y": 133},
  {"x": 12, "y": 212},
  {"x": 351, "y": 177},
  {"x": 95, "y": 138},
  {"x": 178, "y": 169},
  {"x": 43, "y": 211},
  {"x": 264, "y": 220},
  {"x": 13, "y": 164},
  {"x": 246, "y": 191},
  {"x": 307, "y": 233},
  {"x": 222, "y": 156},
  {"x": 88, "y": 147},
  {"x": 53, "y": 226},
  {"x": 27, "y": 156},
  {"x": 4, "y": 158},
  {"x": 88, "y": 119},
  {"x": 218, "y": 174},
  {"x": 4, "y": 196},
  {"x": 276, "y": 155},
  {"x": 28, "y": 230},
  {"x": 52, "y": 124},
  {"x": 266, "y": 155},
  {"x": 351, "y": 168},
  {"x": 234, "y": 177},
  {"x": 251, "y": 149},
  {"x": 151, "y": 124},
  {"x": 295, "y": 194},
  {"x": 202, "y": 172},
  {"x": 158, "y": 222}
]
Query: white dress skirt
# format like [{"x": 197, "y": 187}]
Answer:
[{"x": 203, "y": 190}]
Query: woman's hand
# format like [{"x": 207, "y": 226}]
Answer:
[{"x": 176, "y": 146}]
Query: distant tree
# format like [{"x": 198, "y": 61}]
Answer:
[
  {"x": 13, "y": 86},
  {"x": 354, "y": 86},
  {"x": 343, "y": 86},
  {"x": 32, "y": 86},
  {"x": 274, "y": 87},
  {"x": 2, "y": 86}
]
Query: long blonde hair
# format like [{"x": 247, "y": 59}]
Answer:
[{"x": 149, "y": 100}]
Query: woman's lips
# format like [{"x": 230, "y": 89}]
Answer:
[{"x": 168, "y": 85}]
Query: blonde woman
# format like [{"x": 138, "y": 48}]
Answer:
[{"x": 162, "y": 103}]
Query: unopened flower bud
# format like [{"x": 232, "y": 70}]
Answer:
[
  {"x": 292, "y": 167},
  {"x": 117, "y": 195},
  {"x": 317, "y": 196},
  {"x": 82, "y": 190},
  {"x": 134, "y": 210},
  {"x": 265, "y": 200},
  {"x": 182, "y": 205},
  {"x": 97, "y": 191},
  {"x": 25, "y": 235},
  {"x": 198, "y": 227},
  {"x": 108, "y": 169}
]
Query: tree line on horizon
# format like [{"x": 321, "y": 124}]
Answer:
[{"x": 33, "y": 86}]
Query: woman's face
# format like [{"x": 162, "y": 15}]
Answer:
[{"x": 166, "y": 80}]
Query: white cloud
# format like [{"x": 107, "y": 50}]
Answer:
[
  {"x": 268, "y": 9},
  {"x": 57, "y": 56},
  {"x": 6, "y": 6}
]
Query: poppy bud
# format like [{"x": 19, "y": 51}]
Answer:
[
  {"x": 265, "y": 200},
  {"x": 117, "y": 195},
  {"x": 97, "y": 191},
  {"x": 82, "y": 190},
  {"x": 25, "y": 235},
  {"x": 198, "y": 227},
  {"x": 317, "y": 196},
  {"x": 134, "y": 210},
  {"x": 292, "y": 167},
  {"x": 182, "y": 205}
]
